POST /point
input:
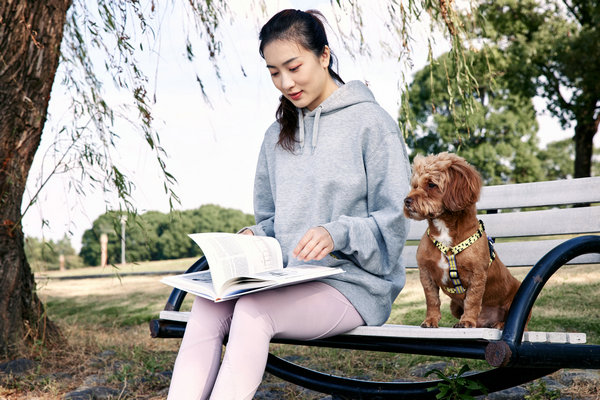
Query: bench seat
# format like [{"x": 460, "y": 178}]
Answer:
[{"x": 411, "y": 331}]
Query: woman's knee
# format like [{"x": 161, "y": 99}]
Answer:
[{"x": 250, "y": 306}]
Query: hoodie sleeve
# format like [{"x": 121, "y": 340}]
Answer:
[
  {"x": 376, "y": 241},
  {"x": 264, "y": 206}
]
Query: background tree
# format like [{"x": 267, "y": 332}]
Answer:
[
  {"x": 558, "y": 159},
  {"x": 44, "y": 255},
  {"x": 498, "y": 135},
  {"x": 551, "y": 50},
  {"x": 40, "y": 254},
  {"x": 30, "y": 37},
  {"x": 157, "y": 236}
]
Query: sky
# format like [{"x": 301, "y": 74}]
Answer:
[{"x": 213, "y": 147}]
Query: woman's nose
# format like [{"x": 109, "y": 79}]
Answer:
[{"x": 287, "y": 82}]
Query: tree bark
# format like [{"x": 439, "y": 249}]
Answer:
[
  {"x": 30, "y": 35},
  {"x": 585, "y": 130}
]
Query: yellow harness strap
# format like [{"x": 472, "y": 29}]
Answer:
[{"x": 451, "y": 258}]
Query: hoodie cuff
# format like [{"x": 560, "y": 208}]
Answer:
[
  {"x": 255, "y": 229},
  {"x": 339, "y": 234}
]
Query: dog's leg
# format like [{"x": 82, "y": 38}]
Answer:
[
  {"x": 491, "y": 317},
  {"x": 473, "y": 299},
  {"x": 432, "y": 299},
  {"x": 456, "y": 308}
]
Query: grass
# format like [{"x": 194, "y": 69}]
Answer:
[{"x": 111, "y": 313}]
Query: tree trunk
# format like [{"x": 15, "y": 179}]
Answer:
[
  {"x": 585, "y": 130},
  {"x": 30, "y": 35}
]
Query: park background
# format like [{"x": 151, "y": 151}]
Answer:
[{"x": 212, "y": 142}]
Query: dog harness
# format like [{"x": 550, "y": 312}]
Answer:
[{"x": 451, "y": 252}]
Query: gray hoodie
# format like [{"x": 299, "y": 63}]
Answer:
[{"x": 349, "y": 174}]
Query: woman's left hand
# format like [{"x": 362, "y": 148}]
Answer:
[{"x": 314, "y": 245}]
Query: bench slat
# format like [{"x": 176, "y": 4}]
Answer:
[
  {"x": 528, "y": 253},
  {"x": 582, "y": 220},
  {"x": 410, "y": 331},
  {"x": 535, "y": 194},
  {"x": 513, "y": 254},
  {"x": 532, "y": 223}
]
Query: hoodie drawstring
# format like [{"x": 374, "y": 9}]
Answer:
[
  {"x": 315, "y": 132},
  {"x": 301, "y": 129}
]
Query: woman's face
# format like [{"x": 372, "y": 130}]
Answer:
[{"x": 301, "y": 76}]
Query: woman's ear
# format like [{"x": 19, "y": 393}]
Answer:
[{"x": 325, "y": 57}]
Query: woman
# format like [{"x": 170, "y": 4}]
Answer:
[{"x": 330, "y": 182}]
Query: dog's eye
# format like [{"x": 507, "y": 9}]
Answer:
[{"x": 431, "y": 185}]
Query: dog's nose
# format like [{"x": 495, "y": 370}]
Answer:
[{"x": 408, "y": 201}]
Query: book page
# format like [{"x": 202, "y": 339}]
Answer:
[
  {"x": 276, "y": 278},
  {"x": 230, "y": 255},
  {"x": 197, "y": 283},
  {"x": 200, "y": 283}
]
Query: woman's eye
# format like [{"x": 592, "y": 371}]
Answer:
[
  {"x": 295, "y": 68},
  {"x": 274, "y": 74}
]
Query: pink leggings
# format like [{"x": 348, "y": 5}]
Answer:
[{"x": 305, "y": 311}]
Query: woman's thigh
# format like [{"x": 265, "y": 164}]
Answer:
[{"x": 304, "y": 311}]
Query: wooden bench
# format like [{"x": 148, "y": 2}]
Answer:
[{"x": 545, "y": 225}]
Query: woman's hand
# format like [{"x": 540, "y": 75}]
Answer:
[
  {"x": 247, "y": 232},
  {"x": 314, "y": 245}
]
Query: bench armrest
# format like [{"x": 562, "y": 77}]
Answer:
[
  {"x": 506, "y": 351},
  {"x": 177, "y": 295}
]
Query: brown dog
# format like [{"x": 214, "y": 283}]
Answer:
[{"x": 444, "y": 190}]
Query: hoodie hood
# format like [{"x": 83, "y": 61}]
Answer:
[{"x": 349, "y": 94}]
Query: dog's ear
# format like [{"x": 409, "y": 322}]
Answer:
[
  {"x": 464, "y": 185},
  {"x": 418, "y": 163}
]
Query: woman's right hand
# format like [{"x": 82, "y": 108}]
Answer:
[{"x": 314, "y": 245}]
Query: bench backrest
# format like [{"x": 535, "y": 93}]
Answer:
[{"x": 523, "y": 231}]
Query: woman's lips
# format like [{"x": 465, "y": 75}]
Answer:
[{"x": 295, "y": 96}]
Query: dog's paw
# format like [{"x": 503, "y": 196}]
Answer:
[
  {"x": 498, "y": 325},
  {"x": 465, "y": 324},
  {"x": 429, "y": 324}
]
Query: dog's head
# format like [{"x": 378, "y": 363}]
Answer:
[{"x": 441, "y": 183}]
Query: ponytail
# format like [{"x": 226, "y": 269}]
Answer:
[{"x": 287, "y": 116}]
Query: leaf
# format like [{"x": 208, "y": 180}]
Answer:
[{"x": 188, "y": 49}]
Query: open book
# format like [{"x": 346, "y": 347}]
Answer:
[{"x": 242, "y": 264}]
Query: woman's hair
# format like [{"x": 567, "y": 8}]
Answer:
[{"x": 305, "y": 28}]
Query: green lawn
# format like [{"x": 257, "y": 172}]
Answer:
[
  {"x": 569, "y": 302},
  {"x": 115, "y": 269}
]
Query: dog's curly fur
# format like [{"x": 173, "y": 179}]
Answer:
[{"x": 444, "y": 190}]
